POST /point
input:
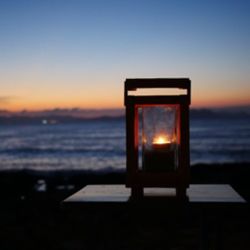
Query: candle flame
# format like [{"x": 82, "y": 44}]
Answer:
[{"x": 161, "y": 140}]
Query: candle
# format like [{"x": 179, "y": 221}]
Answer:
[
  {"x": 161, "y": 139},
  {"x": 161, "y": 156},
  {"x": 161, "y": 143}
]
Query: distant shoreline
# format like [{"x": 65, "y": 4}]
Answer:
[{"x": 53, "y": 118}]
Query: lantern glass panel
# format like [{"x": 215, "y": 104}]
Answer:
[{"x": 160, "y": 138}]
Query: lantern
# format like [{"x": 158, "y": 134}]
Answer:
[{"x": 157, "y": 135}]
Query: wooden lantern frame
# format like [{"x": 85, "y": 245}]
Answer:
[{"x": 138, "y": 179}]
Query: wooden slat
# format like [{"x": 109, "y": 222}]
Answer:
[
  {"x": 181, "y": 83},
  {"x": 132, "y": 84},
  {"x": 147, "y": 100}
]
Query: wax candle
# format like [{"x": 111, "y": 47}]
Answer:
[{"x": 161, "y": 156}]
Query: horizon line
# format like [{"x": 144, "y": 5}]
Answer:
[{"x": 79, "y": 109}]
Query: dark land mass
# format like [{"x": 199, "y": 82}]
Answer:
[
  {"x": 53, "y": 117},
  {"x": 53, "y": 120},
  {"x": 53, "y": 186},
  {"x": 33, "y": 217}
]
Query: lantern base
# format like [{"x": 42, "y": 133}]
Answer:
[
  {"x": 181, "y": 192},
  {"x": 138, "y": 192}
]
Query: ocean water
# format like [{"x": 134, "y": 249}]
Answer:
[{"x": 100, "y": 144}]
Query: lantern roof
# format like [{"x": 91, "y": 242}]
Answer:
[
  {"x": 144, "y": 83},
  {"x": 133, "y": 84}
]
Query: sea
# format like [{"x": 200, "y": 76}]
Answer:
[{"x": 99, "y": 144}]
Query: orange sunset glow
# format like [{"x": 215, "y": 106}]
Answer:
[
  {"x": 99, "y": 101},
  {"x": 85, "y": 63},
  {"x": 37, "y": 104}
]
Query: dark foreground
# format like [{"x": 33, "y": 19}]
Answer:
[{"x": 33, "y": 217}]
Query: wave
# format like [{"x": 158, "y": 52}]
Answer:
[
  {"x": 98, "y": 145},
  {"x": 61, "y": 151}
]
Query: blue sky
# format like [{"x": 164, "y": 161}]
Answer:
[{"x": 78, "y": 53}]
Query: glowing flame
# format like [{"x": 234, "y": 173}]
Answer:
[{"x": 161, "y": 139}]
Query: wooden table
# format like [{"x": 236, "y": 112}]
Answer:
[
  {"x": 202, "y": 201},
  {"x": 219, "y": 194}
]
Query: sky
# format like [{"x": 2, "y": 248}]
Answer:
[{"x": 72, "y": 53}]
